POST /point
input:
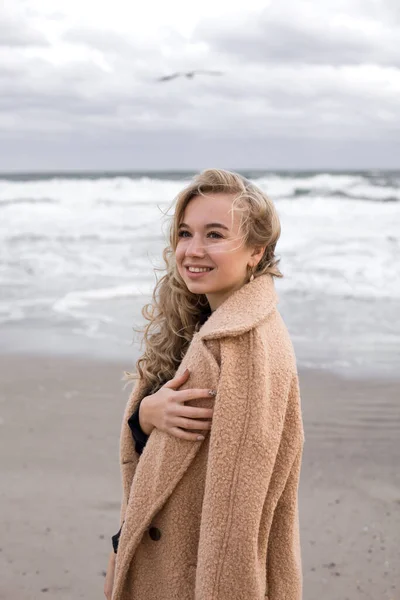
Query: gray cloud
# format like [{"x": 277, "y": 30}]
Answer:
[
  {"x": 332, "y": 38},
  {"x": 110, "y": 42},
  {"x": 16, "y": 32},
  {"x": 290, "y": 80}
]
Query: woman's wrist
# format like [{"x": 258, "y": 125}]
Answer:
[{"x": 145, "y": 416}]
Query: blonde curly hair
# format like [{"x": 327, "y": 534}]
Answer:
[{"x": 174, "y": 312}]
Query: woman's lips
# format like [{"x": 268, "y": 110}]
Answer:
[{"x": 196, "y": 275}]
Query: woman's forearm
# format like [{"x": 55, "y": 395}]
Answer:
[{"x": 145, "y": 420}]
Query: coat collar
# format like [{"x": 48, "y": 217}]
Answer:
[{"x": 243, "y": 310}]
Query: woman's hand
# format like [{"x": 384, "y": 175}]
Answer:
[
  {"x": 165, "y": 410},
  {"x": 109, "y": 582}
]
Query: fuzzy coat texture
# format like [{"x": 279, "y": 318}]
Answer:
[{"x": 226, "y": 507}]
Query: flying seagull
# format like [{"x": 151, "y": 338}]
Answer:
[{"x": 188, "y": 74}]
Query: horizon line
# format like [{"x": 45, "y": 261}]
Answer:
[{"x": 196, "y": 170}]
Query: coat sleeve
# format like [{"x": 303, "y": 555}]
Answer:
[
  {"x": 248, "y": 420},
  {"x": 284, "y": 558},
  {"x": 129, "y": 457}
]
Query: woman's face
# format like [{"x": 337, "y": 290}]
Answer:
[{"x": 209, "y": 238}]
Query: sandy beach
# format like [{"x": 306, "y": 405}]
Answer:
[{"x": 60, "y": 486}]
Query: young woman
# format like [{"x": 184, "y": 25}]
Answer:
[{"x": 209, "y": 508}]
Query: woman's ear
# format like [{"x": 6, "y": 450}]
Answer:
[{"x": 257, "y": 254}]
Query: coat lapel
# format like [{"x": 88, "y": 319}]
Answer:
[{"x": 150, "y": 481}]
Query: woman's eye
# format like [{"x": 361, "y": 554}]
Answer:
[{"x": 213, "y": 234}]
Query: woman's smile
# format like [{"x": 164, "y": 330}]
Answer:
[{"x": 194, "y": 272}]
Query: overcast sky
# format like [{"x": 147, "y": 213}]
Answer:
[{"x": 305, "y": 84}]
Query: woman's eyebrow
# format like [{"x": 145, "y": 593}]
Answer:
[{"x": 208, "y": 226}]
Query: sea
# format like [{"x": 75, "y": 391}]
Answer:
[{"x": 79, "y": 254}]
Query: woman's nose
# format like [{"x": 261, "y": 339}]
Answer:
[{"x": 195, "y": 248}]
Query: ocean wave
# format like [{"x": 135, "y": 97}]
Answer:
[
  {"x": 79, "y": 303},
  {"x": 18, "y": 201},
  {"x": 140, "y": 232},
  {"x": 80, "y": 299},
  {"x": 355, "y": 196},
  {"x": 339, "y": 235},
  {"x": 141, "y": 190},
  {"x": 301, "y": 192}
]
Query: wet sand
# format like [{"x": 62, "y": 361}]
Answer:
[{"x": 60, "y": 487}]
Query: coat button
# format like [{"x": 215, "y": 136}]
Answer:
[{"x": 155, "y": 533}]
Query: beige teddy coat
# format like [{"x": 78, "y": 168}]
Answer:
[{"x": 224, "y": 510}]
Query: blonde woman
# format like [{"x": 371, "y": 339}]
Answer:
[{"x": 212, "y": 436}]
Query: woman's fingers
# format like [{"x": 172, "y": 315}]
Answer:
[
  {"x": 191, "y": 423},
  {"x": 192, "y": 412},
  {"x": 186, "y": 435},
  {"x": 189, "y": 418},
  {"x": 178, "y": 380},
  {"x": 180, "y": 418},
  {"x": 192, "y": 394}
]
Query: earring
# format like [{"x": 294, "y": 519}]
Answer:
[{"x": 251, "y": 276}]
